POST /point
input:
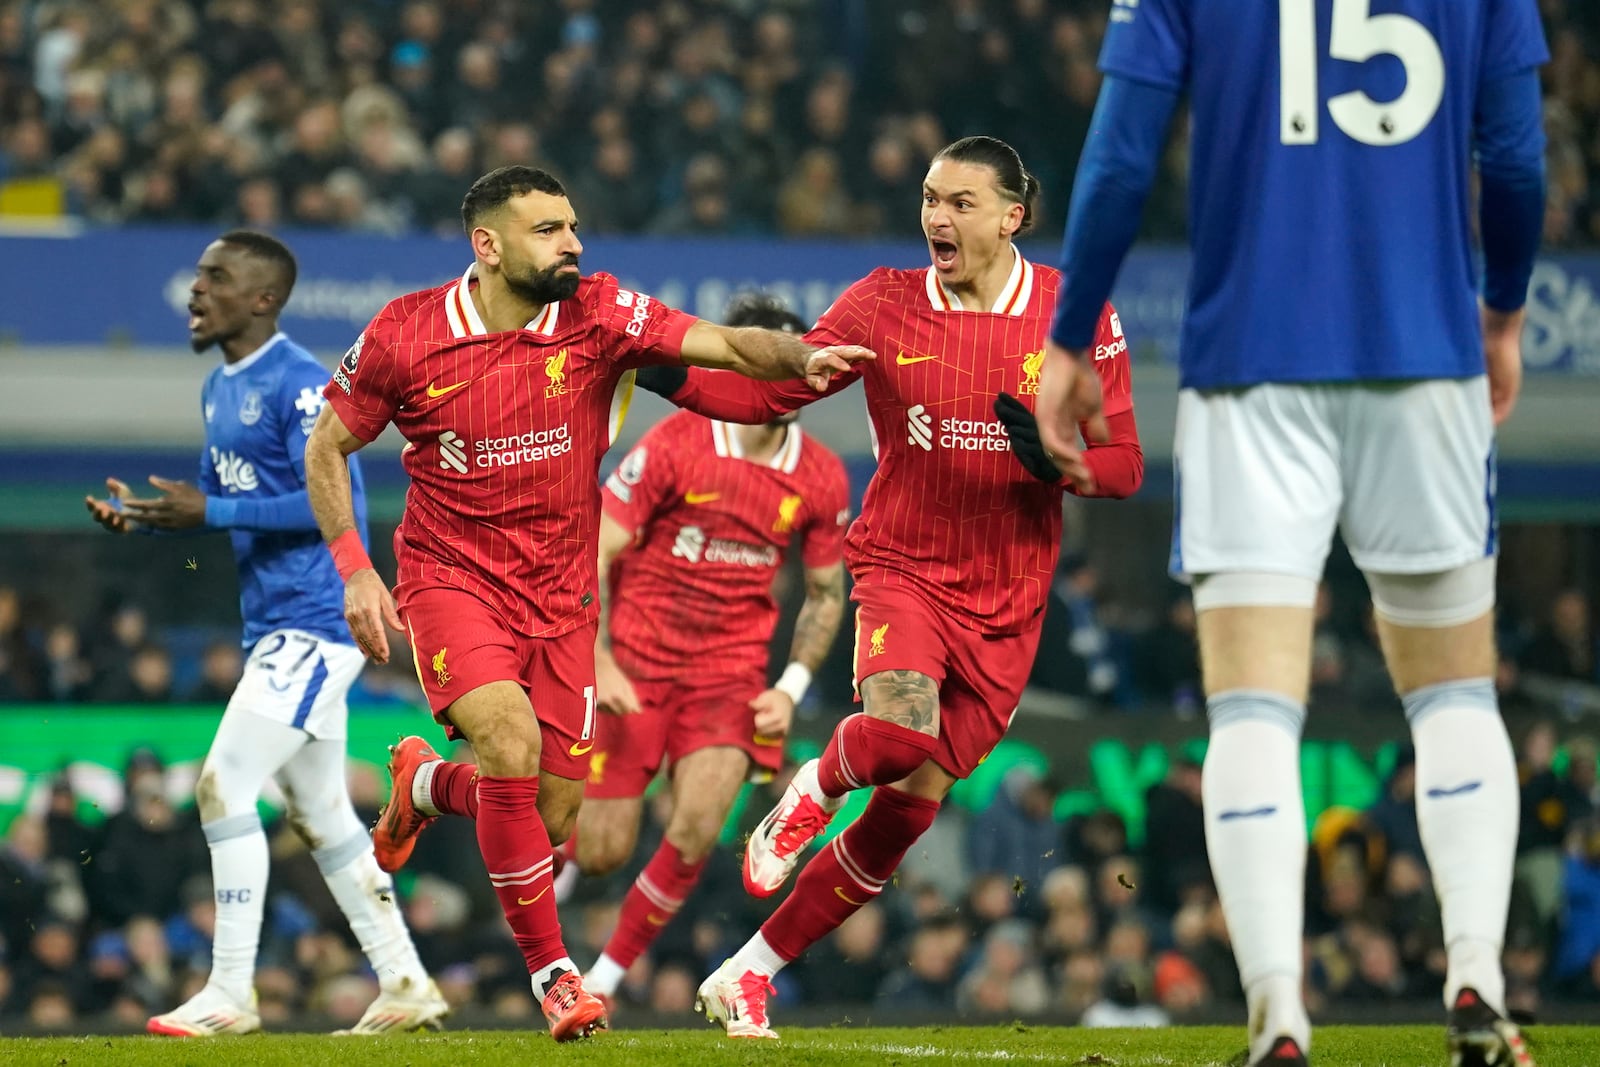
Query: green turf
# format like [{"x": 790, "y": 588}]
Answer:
[{"x": 1341, "y": 1046}]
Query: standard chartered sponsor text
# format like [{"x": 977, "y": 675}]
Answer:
[
  {"x": 971, "y": 435},
  {"x": 531, "y": 447}
]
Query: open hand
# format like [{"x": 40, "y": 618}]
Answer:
[
  {"x": 108, "y": 513},
  {"x": 823, "y": 364},
  {"x": 613, "y": 691},
  {"x": 179, "y": 507},
  {"x": 368, "y": 608},
  {"x": 1069, "y": 395}
]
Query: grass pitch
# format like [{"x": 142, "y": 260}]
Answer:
[{"x": 1336, "y": 1046}]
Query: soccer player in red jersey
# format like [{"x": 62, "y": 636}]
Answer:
[
  {"x": 952, "y": 555},
  {"x": 697, "y": 520},
  {"x": 508, "y": 385}
]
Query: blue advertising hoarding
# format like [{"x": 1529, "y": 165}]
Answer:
[{"x": 128, "y": 286}]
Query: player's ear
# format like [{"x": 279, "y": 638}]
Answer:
[
  {"x": 1011, "y": 221},
  {"x": 486, "y": 245}
]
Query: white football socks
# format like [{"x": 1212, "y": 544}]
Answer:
[
  {"x": 366, "y": 896},
  {"x": 758, "y": 956},
  {"x": 1256, "y": 838},
  {"x": 1467, "y": 810},
  {"x": 239, "y": 877},
  {"x": 604, "y": 977}
]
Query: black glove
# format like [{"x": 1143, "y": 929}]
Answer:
[
  {"x": 663, "y": 380},
  {"x": 1023, "y": 429}
]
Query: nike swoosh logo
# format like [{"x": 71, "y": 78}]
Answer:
[
  {"x": 838, "y": 891},
  {"x": 903, "y": 360},
  {"x": 580, "y": 748},
  {"x": 525, "y": 902},
  {"x": 657, "y": 920},
  {"x": 434, "y": 392},
  {"x": 701, "y": 498}
]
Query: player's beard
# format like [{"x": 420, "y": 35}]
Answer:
[{"x": 548, "y": 286}]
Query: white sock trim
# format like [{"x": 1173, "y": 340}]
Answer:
[
  {"x": 604, "y": 977},
  {"x": 422, "y": 788},
  {"x": 758, "y": 956},
  {"x": 548, "y": 975}
]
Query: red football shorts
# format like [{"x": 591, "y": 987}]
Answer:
[
  {"x": 980, "y": 676},
  {"x": 459, "y": 643},
  {"x": 678, "y": 718}
]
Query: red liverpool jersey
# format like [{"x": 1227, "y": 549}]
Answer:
[
  {"x": 504, "y": 436},
  {"x": 950, "y": 512},
  {"x": 712, "y": 530}
]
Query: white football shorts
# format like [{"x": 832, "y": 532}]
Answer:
[
  {"x": 1263, "y": 475},
  {"x": 300, "y": 680}
]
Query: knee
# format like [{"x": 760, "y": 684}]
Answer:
[
  {"x": 218, "y": 795},
  {"x": 510, "y": 750},
  {"x": 600, "y": 855},
  {"x": 559, "y": 815},
  {"x": 695, "y": 835}
]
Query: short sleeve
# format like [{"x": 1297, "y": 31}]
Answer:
[
  {"x": 1513, "y": 40},
  {"x": 1111, "y": 363},
  {"x": 300, "y": 401},
  {"x": 1148, "y": 41},
  {"x": 647, "y": 330},
  {"x": 365, "y": 388},
  {"x": 643, "y": 482},
  {"x": 823, "y": 545},
  {"x": 848, "y": 320}
]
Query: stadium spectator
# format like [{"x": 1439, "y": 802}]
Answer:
[
  {"x": 1175, "y": 839},
  {"x": 1565, "y": 646},
  {"x": 220, "y": 667}
]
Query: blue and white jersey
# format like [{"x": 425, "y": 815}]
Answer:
[
  {"x": 258, "y": 413},
  {"x": 1329, "y": 197}
]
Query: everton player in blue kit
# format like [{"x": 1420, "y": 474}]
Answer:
[
  {"x": 287, "y": 718},
  {"x": 1338, "y": 368}
]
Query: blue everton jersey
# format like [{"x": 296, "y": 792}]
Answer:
[
  {"x": 258, "y": 413},
  {"x": 1329, "y": 196}
]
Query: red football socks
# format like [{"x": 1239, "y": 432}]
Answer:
[
  {"x": 849, "y": 871},
  {"x": 652, "y": 901},
  {"x": 865, "y": 752},
  {"x": 454, "y": 789},
  {"x": 516, "y": 851}
]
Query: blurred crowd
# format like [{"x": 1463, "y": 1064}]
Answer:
[
  {"x": 1113, "y": 657},
  {"x": 676, "y": 117},
  {"x": 1094, "y": 650},
  {"x": 120, "y": 658},
  {"x": 1001, "y": 912}
]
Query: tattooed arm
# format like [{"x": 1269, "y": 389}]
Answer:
[{"x": 814, "y": 631}]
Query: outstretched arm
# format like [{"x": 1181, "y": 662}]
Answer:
[
  {"x": 767, "y": 355},
  {"x": 368, "y": 605}
]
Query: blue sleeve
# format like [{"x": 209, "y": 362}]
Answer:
[
  {"x": 291, "y": 511},
  {"x": 1513, "y": 40},
  {"x": 1508, "y": 137},
  {"x": 1118, "y": 166},
  {"x": 1148, "y": 41}
]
